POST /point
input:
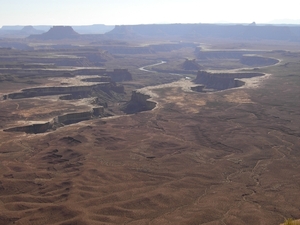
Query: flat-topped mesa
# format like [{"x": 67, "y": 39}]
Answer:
[
  {"x": 57, "y": 33},
  {"x": 222, "y": 81}
]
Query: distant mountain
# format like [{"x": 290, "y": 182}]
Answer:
[
  {"x": 18, "y": 31},
  {"x": 28, "y": 30},
  {"x": 229, "y": 31},
  {"x": 81, "y": 29},
  {"x": 57, "y": 33},
  {"x": 93, "y": 29},
  {"x": 124, "y": 32}
]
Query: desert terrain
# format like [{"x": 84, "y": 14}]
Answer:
[{"x": 124, "y": 128}]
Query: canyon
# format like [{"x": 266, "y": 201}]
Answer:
[{"x": 151, "y": 124}]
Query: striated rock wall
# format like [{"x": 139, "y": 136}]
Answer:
[{"x": 222, "y": 81}]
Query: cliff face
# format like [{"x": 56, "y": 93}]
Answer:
[
  {"x": 119, "y": 75},
  {"x": 31, "y": 129},
  {"x": 68, "y": 90},
  {"x": 73, "y": 118},
  {"x": 59, "y": 121},
  {"x": 139, "y": 102},
  {"x": 222, "y": 81}
]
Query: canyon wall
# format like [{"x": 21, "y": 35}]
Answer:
[
  {"x": 139, "y": 102},
  {"x": 253, "y": 60},
  {"x": 74, "y": 90},
  {"x": 222, "y": 81},
  {"x": 31, "y": 129},
  {"x": 59, "y": 121}
]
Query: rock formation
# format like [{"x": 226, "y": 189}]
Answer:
[
  {"x": 57, "y": 33},
  {"x": 59, "y": 121},
  {"x": 119, "y": 75},
  {"x": 70, "y": 91},
  {"x": 120, "y": 32},
  {"x": 30, "y": 30},
  {"x": 139, "y": 102},
  {"x": 31, "y": 129}
]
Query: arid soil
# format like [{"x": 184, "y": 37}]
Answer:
[{"x": 227, "y": 157}]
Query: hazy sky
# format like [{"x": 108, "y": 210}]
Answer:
[{"x": 115, "y": 12}]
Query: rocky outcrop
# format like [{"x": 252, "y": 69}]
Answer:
[
  {"x": 139, "y": 102},
  {"x": 57, "y": 33},
  {"x": 222, "y": 81}
]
